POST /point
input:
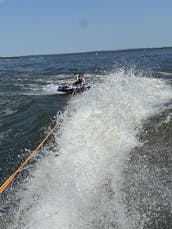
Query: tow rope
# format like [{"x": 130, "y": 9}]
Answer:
[{"x": 11, "y": 178}]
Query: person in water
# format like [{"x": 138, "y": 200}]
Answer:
[{"x": 80, "y": 80}]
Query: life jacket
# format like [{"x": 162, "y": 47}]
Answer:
[{"x": 79, "y": 81}]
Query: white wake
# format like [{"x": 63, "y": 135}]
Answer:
[{"x": 81, "y": 188}]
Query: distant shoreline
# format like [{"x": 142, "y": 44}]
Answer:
[
  {"x": 10, "y": 58},
  {"x": 96, "y": 51}
]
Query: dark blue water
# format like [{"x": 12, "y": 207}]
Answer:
[{"x": 29, "y": 105}]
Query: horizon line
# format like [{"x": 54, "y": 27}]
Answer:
[{"x": 70, "y": 53}]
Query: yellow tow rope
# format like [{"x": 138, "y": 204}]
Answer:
[{"x": 10, "y": 179}]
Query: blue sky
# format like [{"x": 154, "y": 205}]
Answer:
[{"x": 65, "y": 26}]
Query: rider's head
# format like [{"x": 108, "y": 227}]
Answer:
[{"x": 81, "y": 75}]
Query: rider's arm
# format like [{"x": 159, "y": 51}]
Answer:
[
  {"x": 84, "y": 81},
  {"x": 73, "y": 82}
]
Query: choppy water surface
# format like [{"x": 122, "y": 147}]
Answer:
[{"x": 109, "y": 164}]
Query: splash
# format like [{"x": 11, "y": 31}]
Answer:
[{"x": 82, "y": 186}]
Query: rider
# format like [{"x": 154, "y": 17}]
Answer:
[{"x": 80, "y": 79}]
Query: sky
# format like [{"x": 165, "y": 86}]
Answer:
[{"x": 30, "y": 27}]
